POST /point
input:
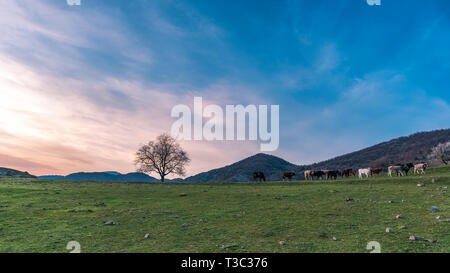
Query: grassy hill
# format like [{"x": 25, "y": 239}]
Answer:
[
  {"x": 243, "y": 170},
  {"x": 43, "y": 216},
  {"x": 16, "y": 173}
]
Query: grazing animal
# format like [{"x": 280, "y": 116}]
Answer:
[
  {"x": 365, "y": 172},
  {"x": 407, "y": 167},
  {"x": 420, "y": 168},
  {"x": 259, "y": 176},
  {"x": 348, "y": 173},
  {"x": 333, "y": 174},
  {"x": 308, "y": 175},
  {"x": 288, "y": 175},
  {"x": 318, "y": 174},
  {"x": 397, "y": 169},
  {"x": 375, "y": 171}
]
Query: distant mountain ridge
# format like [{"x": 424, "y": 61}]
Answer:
[{"x": 102, "y": 176}]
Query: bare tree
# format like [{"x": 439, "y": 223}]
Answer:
[
  {"x": 441, "y": 153},
  {"x": 163, "y": 156}
]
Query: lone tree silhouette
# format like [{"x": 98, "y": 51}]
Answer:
[{"x": 163, "y": 156}]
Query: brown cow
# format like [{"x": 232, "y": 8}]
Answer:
[
  {"x": 288, "y": 175},
  {"x": 375, "y": 171},
  {"x": 348, "y": 173},
  {"x": 420, "y": 168}
]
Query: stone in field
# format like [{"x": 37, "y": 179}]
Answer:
[
  {"x": 147, "y": 236},
  {"x": 438, "y": 217},
  {"x": 420, "y": 184},
  {"x": 185, "y": 225},
  {"x": 282, "y": 243},
  {"x": 434, "y": 209},
  {"x": 335, "y": 239},
  {"x": 398, "y": 217},
  {"x": 402, "y": 227},
  {"x": 388, "y": 229},
  {"x": 109, "y": 223}
]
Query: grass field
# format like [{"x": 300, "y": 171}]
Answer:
[{"x": 43, "y": 216}]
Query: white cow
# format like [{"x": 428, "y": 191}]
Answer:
[
  {"x": 397, "y": 169},
  {"x": 420, "y": 168},
  {"x": 365, "y": 172}
]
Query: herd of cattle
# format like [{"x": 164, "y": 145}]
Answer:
[{"x": 398, "y": 170}]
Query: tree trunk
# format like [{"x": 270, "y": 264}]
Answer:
[{"x": 162, "y": 179}]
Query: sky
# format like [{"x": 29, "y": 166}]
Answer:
[{"x": 82, "y": 87}]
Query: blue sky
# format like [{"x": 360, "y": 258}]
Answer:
[{"x": 103, "y": 76}]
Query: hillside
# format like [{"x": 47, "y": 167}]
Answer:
[
  {"x": 243, "y": 170},
  {"x": 413, "y": 148},
  {"x": 15, "y": 173}
]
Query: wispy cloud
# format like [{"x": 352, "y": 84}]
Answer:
[{"x": 83, "y": 87}]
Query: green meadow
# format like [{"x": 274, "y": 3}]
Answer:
[{"x": 300, "y": 216}]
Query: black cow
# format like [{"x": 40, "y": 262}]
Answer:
[
  {"x": 259, "y": 176},
  {"x": 288, "y": 175},
  {"x": 333, "y": 174},
  {"x": 318, "y": 174},
  {"x": 407, "y": 167}
]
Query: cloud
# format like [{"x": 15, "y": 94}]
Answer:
[
  {"x": 24, "y": 164},
  {"x": 83, "y": 88}
]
